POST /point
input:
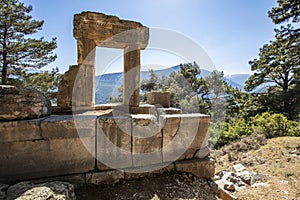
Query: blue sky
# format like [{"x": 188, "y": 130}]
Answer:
[{"x": 230, "y": 31}]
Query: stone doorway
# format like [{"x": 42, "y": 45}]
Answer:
[{"x": 96, "y": 29}]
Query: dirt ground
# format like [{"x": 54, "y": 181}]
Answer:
[
  {"x": 167, "y": 186},
  {"x": 278, "y": 159}
]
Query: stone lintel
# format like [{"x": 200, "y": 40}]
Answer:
[{"x": 106, "y": 30}]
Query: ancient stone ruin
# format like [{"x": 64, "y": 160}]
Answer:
[
  {"x": 96, "y": 29},
  {"x": 103, "y": 146}
]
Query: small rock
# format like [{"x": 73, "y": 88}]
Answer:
[
  {"x": 260, "y": 185},
  {"x": 3, "y": 189},
  {"x": 238, "y": 167},
  {"x": 224, "y": 174},
  {"x": 222, "y": 182},
  {"x": 229, "y": 186},
  {"x": 236, "y": 180},
  {"x": 293, "y": 152},
  {"x": 257, "y": 177},
  {"x": 241, "y": 188},
  {"x": 155, "y": 197},
  {"x": 245, "y": 176},
  {"x": 216, "y": 177}
]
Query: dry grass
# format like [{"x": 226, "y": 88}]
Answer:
[{"x": 274, "y": 160}]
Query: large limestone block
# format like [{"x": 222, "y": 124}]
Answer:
[
  {"x": 76, "y": 89},
  {"x": 143, "y": 109},
  {"x": 147, "y": 140},
  {"x": 183, "y": 135},
  {"x": 168, "y": 111},
  {"x": 22, "y": 103},
  {"x": 159, "y": 98},
  {"x": 148, "y": 171},
  {"x": 69, "y": 126},
  {"x": 109, "y": 31},
  {"x": 83, "y": 90},
  {"x": 65, "y": 88},
  {"x": 46, "y": 158},
  {"x": 114, "y": 142},
  {"x": 23, "y": 130},
  {"x": 202, "y": 168},
  {"x": 104, "y": 178}
]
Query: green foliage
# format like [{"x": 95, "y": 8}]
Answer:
[
  {"x": 151, "y": 84},
  {"x": 46, "y": 82},
  {"x": 286, "y": 10},
  {"x": 275, "y": 125},
  {"x": 119, "y": 98},
  {"x": 18, "y": 51},
  {"x": 279, "y": 63},
  {"x": 223, "y": 133},
  {"x": 269, "y": 125},
  {"x": 191, "y": 92}
]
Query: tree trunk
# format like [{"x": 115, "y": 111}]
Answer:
[
  {"x": 4, "y": 69},
  {"x": 5, "y": 64},
  {"x": 286, "y": 95}
]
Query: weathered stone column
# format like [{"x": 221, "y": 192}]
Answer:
[
  {"x": 132, "y": 65},
  {"x": 84, "y": 85}
]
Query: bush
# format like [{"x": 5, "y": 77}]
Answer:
[
  {"x": 275, "y": 125},
  {"x": 224, "y": 133},
  {"x": 269, "y": 125}
]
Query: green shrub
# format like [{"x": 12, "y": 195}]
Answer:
[
  {"x": 294, "y": 129},
  {"x": 275, "y": 125},
  {"x": 224, "y": 133},
  {"x": 269, "y": 125}
]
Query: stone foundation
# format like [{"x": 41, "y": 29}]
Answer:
[{"x": 100, "y": 148}]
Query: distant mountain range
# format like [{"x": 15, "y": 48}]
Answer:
[{"x": 107, "y": 85}]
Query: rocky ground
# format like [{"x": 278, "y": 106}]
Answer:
[
  {"x": 253, "y": 168},
  {"x": 276, "y": 164},
  {"x": 168, "y": 186}
]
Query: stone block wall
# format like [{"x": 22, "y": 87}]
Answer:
[
  {"x": 104, "y": 147},
  {"x": 44, "y": 147}
]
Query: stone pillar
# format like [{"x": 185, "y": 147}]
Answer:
[
  {"x": 83, "y": 91},
  {"x": 84, "y": 85},
  {"x": 131, "y": 88}
]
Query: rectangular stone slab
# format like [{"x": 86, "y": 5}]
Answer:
[
  {"x": 68, "y": 126},
  {"x": 46, "y": 158},
  {"x": 147, "y": 140},
  {"x": 183, "y": 135},
  {"x": 23, "y": 130},
  {"x": 114, "y": 142},
  {"x": 202, "y": 168},
  {"x": 105, "y": 30}
]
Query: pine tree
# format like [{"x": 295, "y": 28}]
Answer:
[
  {"x": 279, "y": 62},
  {"x": 18, "y": 51}
]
